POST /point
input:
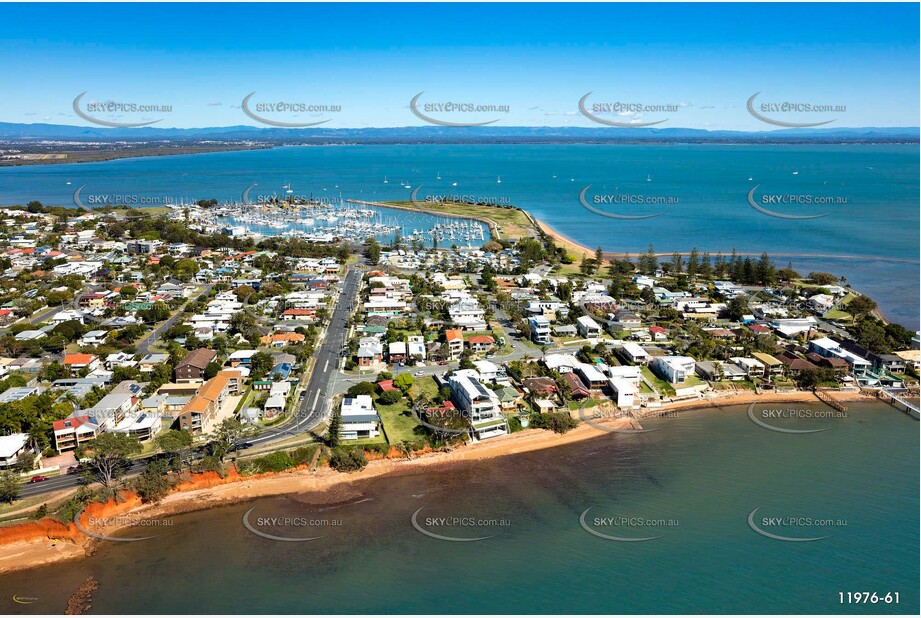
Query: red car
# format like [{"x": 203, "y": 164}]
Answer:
[{"x": 38, "y": 479}]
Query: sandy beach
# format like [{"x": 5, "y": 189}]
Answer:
[{"x": 37, "y": 543}]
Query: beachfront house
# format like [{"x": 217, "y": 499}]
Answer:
[
  {"x": 358, "y": 418},
  {"x": 674, "y": 369},
  {"x": 479, "y": 404}
]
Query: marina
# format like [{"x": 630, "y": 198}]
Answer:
[{"x": 332, "y": 221}]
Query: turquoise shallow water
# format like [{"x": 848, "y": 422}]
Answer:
[
  {"x": 702, "y": 472},
  {"x": 878, "y": 224}
]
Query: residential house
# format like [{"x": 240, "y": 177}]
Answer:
[
  {"x": 396, "y": 352},
  {"x": 591, "y": 376},
  {"x": 772, "y": 366},
  {"x": 480, "y": 343},
  {"x": 540, "y": 330},
  {"x": 588, "y": 327},
  {"x": 540, "y": 386},
  {"x": 151, "y": 361},
  {"x": 94, "y": 337},
  {"x": 479, "y": 404},
  {"x": 18, "y": 393},
  {"x": 635, "y": 354},
  {"x": 192, "y": 367},
  {"x": 358, "y": 418},
  {"x": 455, "y": 342},
  {"x": 674, "y": 369},
  {"x": 658, "y": 333},
  {"x": 370, "y": 352},
  {"x": 81, "y": 361},
  {"x": 623, "y": 392},
  {"x": 12, "y": 447},
  {"x": 281, "y": 340},
  {"x": 577, "y": 388}
]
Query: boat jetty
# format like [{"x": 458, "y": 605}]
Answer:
[{"x": 329, "y": 221}]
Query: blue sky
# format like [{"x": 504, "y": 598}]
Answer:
[{"x": 538, "y": 59}]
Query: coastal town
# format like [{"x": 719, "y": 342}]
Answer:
[{"x": 139, "y": 349}]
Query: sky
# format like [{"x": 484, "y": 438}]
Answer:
[{"x": 699, "y": 64}]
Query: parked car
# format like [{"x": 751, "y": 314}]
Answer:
[
  {"x": 75, "y": 470},
  {"x": 38, "y": 479},
  {"x": 419, "y": 374}
]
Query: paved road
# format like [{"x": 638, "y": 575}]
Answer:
[
  {"x": 66, "y": 481},
  {"x": 143, "y": 348},
  {"x": 313, "y": 407},
  {"x": 315, "y": 404}
]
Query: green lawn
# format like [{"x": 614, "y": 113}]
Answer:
[
  {"x": 512, "y": 222},
  {"x": 661, "y": 385},
  {"x": 364, "y": 441},
  {"x": 424, "y": 386},
  {"x": 398, "y": 422}
]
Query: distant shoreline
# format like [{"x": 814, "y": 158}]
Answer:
[{"x": 166, "y": 146}]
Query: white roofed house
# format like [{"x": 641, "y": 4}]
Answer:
[
  {"x": 12, "y": 447},
  {"x": 564, "y": 363},
  {"x": 829, "y": 348},
  {"x": 821, "y": 303},
  {"x": 635, "y": 354},
  {"x": 591, "y": 376},
  {"x": 624, "y": 392},
  {"x": 630, "y": 373},
  {"x": 588, "y": 327},
  {"x": 480, "y": 405},
  {"x": 358, "y": 418},
  {"x": 274, "y": 405},
  {"x": 396, "y": 351},
  {"x": 540, "y": 329},
  {"x": 674, "y": 369},
  {"x": 94, "y": 337},
  {"x": 415, "y": 347},
  {"x": 752, "y": 366}
]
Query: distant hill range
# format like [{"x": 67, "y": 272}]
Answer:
[{"x": 16, "y": 132}]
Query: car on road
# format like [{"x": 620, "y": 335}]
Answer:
[
  {"x": 38, "y": 479},
  {"x": 419, "y": 374}
]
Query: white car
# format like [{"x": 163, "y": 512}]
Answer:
[{"x": 419, "y": 374}]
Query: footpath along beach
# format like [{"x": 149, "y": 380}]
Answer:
[{"x": 47, "y": 541}]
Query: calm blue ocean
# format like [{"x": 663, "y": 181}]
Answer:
[
  {"x": 870, "y": 233},
  {"x": 693, "y": 484}
]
